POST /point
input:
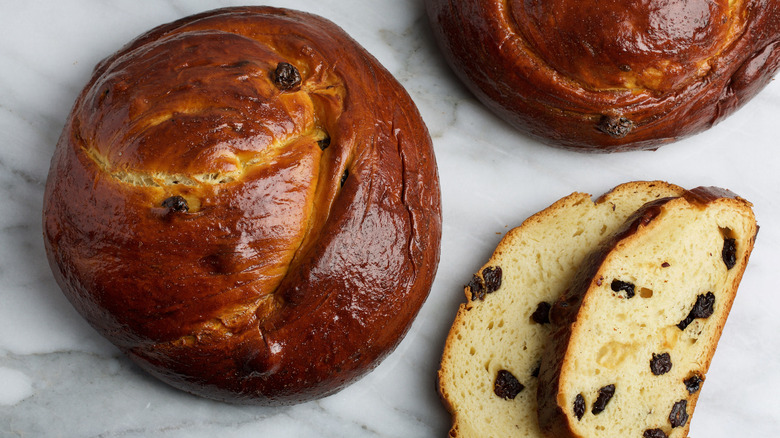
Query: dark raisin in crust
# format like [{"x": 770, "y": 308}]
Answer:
[
  {"x": 729, "y": 253},
  {"x": 605, "y": 395},
  {"x": 492, "y": 276},
  {"x": 660, "y": 363},
  {"x": 693, "y": 383},
  {"x": 617, "y": 127},
  {"x": 703, "y": 308},
  {"x": 618, "y": 285},
  {"x": 506, "y": 385},
  {"x": 477, "y": 288},
  {"x": 579, "y": 406},
  {"x": 654, "y": 433},
  {"x": 679, "y": 416},
  {"x": 324, "y": 143},
  {"x": 542, "y": 313},
  {"x": 176, "y": 203},
  {"x": 286, "y": 76}
]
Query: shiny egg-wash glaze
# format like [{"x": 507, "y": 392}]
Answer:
[
  {"x": 247, "y": 204},
  {"x": 607, "y": 76}
]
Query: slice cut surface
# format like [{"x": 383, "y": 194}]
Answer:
[
  {"x": 635, "y": 334},
  {"x": 487, "y": 379}
]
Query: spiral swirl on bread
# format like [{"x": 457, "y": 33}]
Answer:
[
  {"x": 599, "y": 76},
  {"x": 246, "y": 203}
]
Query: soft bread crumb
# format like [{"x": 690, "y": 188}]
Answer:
[
  {"x": 537, "y": 261},
  {"x": 691, "y": 255}
]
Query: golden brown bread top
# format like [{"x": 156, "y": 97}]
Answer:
[
  {"x": 610, "y": 76},
  {"x": 246, "y": 203},
  {"x": 644, "y": 45}
]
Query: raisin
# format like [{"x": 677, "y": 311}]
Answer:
[
  {"x": 660, "y": 363},
  {"x": 664, "y": 265},
  {"x": 679, "y": 416},
  {"x": 324, "y": 143},
  {"x": 507, "y": 386},
  {"x": 618, "y": 285},
  {"x": 286, "y": 76},
  {"x": 176, "y": 203},
  {"x": 685, "y": 322},
  {"x": 542, "y": 313},
  {"x": 729, "y": 253},
  {"x": 654, "y": 433},
  {"x": 579, "y": 406},
  {"x": 703, "y": 308},
  {"x": 617, "y": 127},
  {"x": 693, "y": 383},
  {"x": 477, "y": 288},
  {"x": 492, "y": 276},
  {"x": 344, "y": 177},
  {"x": 605, "y": 395},
  {"x": 535, "y": 372}
]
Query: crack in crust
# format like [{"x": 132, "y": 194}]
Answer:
[{"x": 163, "y": 179}]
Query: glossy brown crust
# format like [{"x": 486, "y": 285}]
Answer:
[
  {"x": 603, "y": 76},
  {"x": 240, "y": 235},
  {"x": 552, "y": 419}
]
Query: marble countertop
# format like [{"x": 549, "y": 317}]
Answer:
[{"x": 58, "y": 377}]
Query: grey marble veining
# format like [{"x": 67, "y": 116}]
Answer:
[{"x": 58, "y": 378}]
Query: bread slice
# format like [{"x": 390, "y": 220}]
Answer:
[
  {"x": 635, "y": 333},
  {"x": 493, "y": 350}
]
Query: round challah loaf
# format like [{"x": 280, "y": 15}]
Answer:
[
  {"x": 603, "y": 76},
  {"x": 247, "y": 204}
]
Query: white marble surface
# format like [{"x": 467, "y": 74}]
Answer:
[{"x": 59, "y": 378}]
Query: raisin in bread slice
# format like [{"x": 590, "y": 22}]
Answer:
[
  {"x": 492, "y": 353},
  {"x": 634, "y": 335}
]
